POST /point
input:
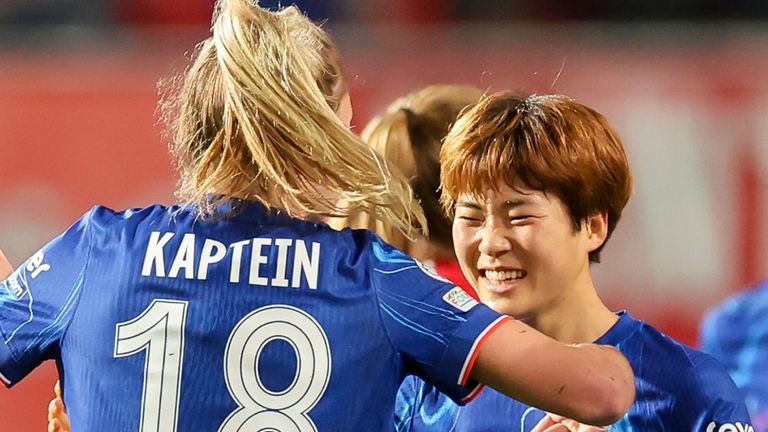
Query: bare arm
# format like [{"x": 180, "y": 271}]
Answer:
[{"x": 592, "y": 384}]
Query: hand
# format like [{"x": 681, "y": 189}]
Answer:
[
  {"x": 5, "y": 267},
  {"x": 556, "y": 423},
  {"x": 58, "y": 421}
]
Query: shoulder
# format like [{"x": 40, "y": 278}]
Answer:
[
  {"x": 660, "y": 359},
  {"x": 103, "y": 216},
  {"x": 363, "y": 245},
  {"x": 102, "y": 225},
  {"x": 354, "y": 246},
  {"x": 713, "y": 380}
]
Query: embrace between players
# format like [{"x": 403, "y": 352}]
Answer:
[{"x": 532, "y": 185}]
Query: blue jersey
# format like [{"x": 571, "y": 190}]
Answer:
[
  {"x": 161, "y": 322},
  {"x": 736, "y": 333},
  {"x": 678, "y": 389}
]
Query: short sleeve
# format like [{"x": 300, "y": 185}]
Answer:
[
  {"x": 38, "y": 300},
  {"x": 436, "y": 326},
  {"x": 726, "y": 409}
]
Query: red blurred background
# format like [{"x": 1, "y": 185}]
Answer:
[{"x": 78, "y": 126}]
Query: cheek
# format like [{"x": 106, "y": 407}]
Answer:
[
  {"x": 555, "y": 256},
  {"x": 464, "y": 248}
]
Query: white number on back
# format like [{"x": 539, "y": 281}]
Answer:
[
  {"x": 261, "y": 409},
  {"x": 160, "y": 330}
]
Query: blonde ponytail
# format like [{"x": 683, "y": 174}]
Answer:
[{"x": 253, "y": 121}]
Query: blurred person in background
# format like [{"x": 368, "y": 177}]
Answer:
[
  {"x": 536, "y": 185},
  {"x": 409, "y": 135},
  {"x": 736, "y": 333},
  {"x": 127, "y": 302}
]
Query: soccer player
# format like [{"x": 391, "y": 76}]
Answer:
[
  {"x": 409, "y": 135},
  {"x": 236, "y": 310},
  {"x": 536, "y": 186},
  {"x": 736, "y": 333}
]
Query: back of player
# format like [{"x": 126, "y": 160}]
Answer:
[{"x": 257, "y": 318}]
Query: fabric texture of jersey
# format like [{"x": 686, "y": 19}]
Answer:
[
  {"x": 677, "y": 389},
  {"x": 736, "y": 333},
  {"x": 160, "y": 321}
]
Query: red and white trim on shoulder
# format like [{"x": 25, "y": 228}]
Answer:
[
  {"x": 5, "y": 380},
  {"x": 473, "y": 394},
  {"x": 472, "y": 355}
]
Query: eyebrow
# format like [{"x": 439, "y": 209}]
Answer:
[
  {"x": 514, "y": 203},
  {"x": 506, "y": 205},
  {"x": 468, "y": 204}
]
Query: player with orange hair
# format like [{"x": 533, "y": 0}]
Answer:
[{"x": 536, "y": 185}]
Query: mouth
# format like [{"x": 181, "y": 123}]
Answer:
[{"x": 501, "y": 281}]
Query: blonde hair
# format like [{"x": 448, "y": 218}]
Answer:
[
  {"x": 254, "y": 119},
  {"x": 409, "y": 135}
]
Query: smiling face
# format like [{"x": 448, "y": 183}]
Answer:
[{"x": 519, "y": 249}]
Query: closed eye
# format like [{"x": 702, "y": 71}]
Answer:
[
  {"x": 469, "y": 219},
  {"x": 472, "y": 218},
  {"x": 521, "y": 219}
]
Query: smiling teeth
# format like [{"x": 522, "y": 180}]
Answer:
[{"x": 501, "y": 276}]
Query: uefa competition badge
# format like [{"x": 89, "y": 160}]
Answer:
[
  {"x": 456, "y": 297},
  {"x": 459, "y": 299}
]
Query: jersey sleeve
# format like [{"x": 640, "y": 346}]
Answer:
[
  {"x": 38, "y": 300},
  {"x": 436, "y": 326},
  {"x": 725, "y": 407}
]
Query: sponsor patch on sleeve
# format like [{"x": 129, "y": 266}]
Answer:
[
  {"x": 729, "y": 427},
  {"x": 459, "y": 299}
]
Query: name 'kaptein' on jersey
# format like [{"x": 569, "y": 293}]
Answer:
[{"x": 161, "y": 322}]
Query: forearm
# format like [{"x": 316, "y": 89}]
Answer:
[
  {"x": 600, "y": 382},
  {"x": 593, "y": 384}
]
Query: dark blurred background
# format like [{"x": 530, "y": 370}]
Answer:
[{"x": 110, "y": 13}]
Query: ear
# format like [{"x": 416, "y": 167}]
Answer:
[{"x": 597, "y": 230}]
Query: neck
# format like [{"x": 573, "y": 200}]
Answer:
[{"x": 578, "y": 317}]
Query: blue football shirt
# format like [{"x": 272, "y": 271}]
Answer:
[
  {"x": 736, "y": 333},
  {"x": 677, "y": 389},
  {"x": 161, "y": 322}
]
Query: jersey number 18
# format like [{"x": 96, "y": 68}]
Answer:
[{"x": 160, "y": 331}]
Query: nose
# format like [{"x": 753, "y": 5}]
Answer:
[{"x": 493, "y": 239}]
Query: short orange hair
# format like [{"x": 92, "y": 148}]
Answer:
[{"x": 549, "y": 143}]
